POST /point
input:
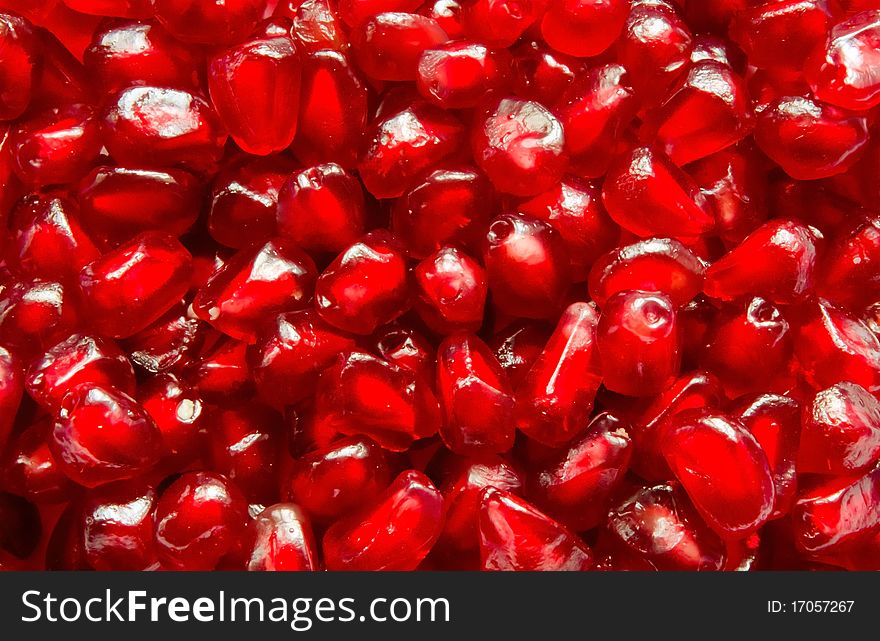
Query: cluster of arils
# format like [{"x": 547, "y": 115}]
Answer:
[{"x": 393, "y": 284}]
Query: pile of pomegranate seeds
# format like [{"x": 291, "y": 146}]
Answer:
[{"x": 455, "y": 284}]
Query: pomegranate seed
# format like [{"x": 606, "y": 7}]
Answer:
[
  {"x": 11, "y": 388},
  {"x": 334, "y": 480},
  {"x": 393, "y": 533},
  {"x": 125, "y": 53},
  {"x": 167, "y": 342},
  {"x": 355, "y": 12},
  {"x": 457, "y": 75},
  {"x": 200, "y": 518},
  {"x": 168, "y": 200},
  {"x": 749, "y": 345},
  {"x": 316, "y": 24},
  {"x": 653, "y": 265},
  {"x": 521, "y": 147},
  {"x": 834, "y": 346},
  {"x": 162, "y": 126},
  {"x": 649, "y": 196},
  {"x": 221, "y": 370},
  {"x": 500, "y": 23},
  {"x": 840, "y": 71},
  {"x": 556, "y": 396},
  {"x": 361, "y": 394},
  {"x": 655, "y": 49},
  {"x": 542, "y": 74},
  {"x": 777, "y": 262},
  {"x": 639, "y": 343},
  {"x": 283, "y": 541},
  {"x": 256, "y": 283},
  {"x": 404, "y": 144},
  {"x": 449, "y": 205},
  {"x": 841, "y": 431},
  {"x": 36, "y": 314},
  {"x": 514, "y": 535},
  {"x": 79, "y": 359},
  {"x": 574, "y": 208},
  {"x": 583, "y": 28},
  {"x": 775, "y": 422},
  {"x": 715, "y": 456},
  {"x": 178, "y": 412},
  {"x": 30, "y": 469},
  {"x": 130, "y": 287},
  {"x": 848, "y": 276},
  {"x": 810, "y": 139},
  {"x": 48, "y": 239},
  {"x": 408, "y": 348},
  {"x": 526, "y": 265},
  {"x": 260, "y": 122},
  {"x": 18, "y": 62},
  {"x": 780, "y": 34},
  {"x": 117, "y": 526},
  {"x": 475, "y": 397},
  {"x": 594, "y": 111},
  {"x": 332, "y": 111},
  {"x": 576, "y": 488},
  {"x": 450, "y": 291},
  {"x": 56, "y": 146},
  {"x": 517, "y": 348},
  {"x": 366, "y": 286},
  {"x": 102, "y": 435},
  {"x": 837, "y": 511},
  {"x": 462, "y": 492},
  {"x": 211, "y": 24},
  {"x": 388, "y": 46},
  {"x": 117, "y": 8},
  {"x": 660, "y": 527},
  {"x": 321, "y": 208},
  {"x": 290, "y": 353}
]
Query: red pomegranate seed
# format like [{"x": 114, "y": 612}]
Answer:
[
  {"x": 366, "y": 286},
  {"x": 723, "y": 469},
  {"x": 761, "y": 30},
  {"x": 475, "y": 397},
  {"x": 450, "y": 291},
  {"x": 388, "y": 46},
  {"x": 321, "y": 208},
  {"x": 649, "y": 196},
  {"x": 457, "y": 75},
  {"x": 125, "y": 53},
  {"x": 775, "y": 422},
  {"x": 30, "y": 469},
  {"x": 660, "y": 527},
  {"x": 447, "y": 206},
  {"x": 49, "y": 241},
  {"x": 162, "y": 126},
  {"x": 128, "y": 288},
  {"x": 841, "y": 431},
  {"x": 393, "y": 533},
  {"x": 102, "y": 435},
  {"x": 332, "y": 481},
  {"x": 556, "y": 396},
  {"x": 521, "y": 147},
  {"x": 777, "y": 261},
  {"x": 283, "y": 541},
  {"x": 840, "y": 71},
  {"x": 639, "y": 343},
  {"x": 260, "y": 121},
  {"x": 290, "y": 353},
  {"x": 518, "y": 346},
  {"x": 656, "y": 264},
  {"x": 36, "y": 314},
  {"x": 79, "y": 359},
  {"x": 500, "y": 23},
  {"x": 200, "y": 518},
  {"x": 11, "y": 388},
  {"x": 55, "y": 146},
  {"x": 364, "y": 395},
  {"x": 117, "y": 8},
  {"x": 576, "y": 488},
  {"x": 211, "y": 24},
  {"x": 168, "y": 200},
  {"x": 594, "y": 112},
  {"x": 527, "y": 266},
  {"x": 333, "y": 110},
  {"x": 117, "y": 526},
  {"x": 316, "y": 24},
  {"x": 178, "y": 412},
  {"x": 18, "y": 63},
  {"x": 514, "y": 535},
  {"x": 462, "y": 490},
  {"x": 406, "y": 347},
  {"x": 167, "y": 342},
  {"x": 583, "y": 28},
  {"x": 256, "y": 283},
  {"x": 847, "y": 276},
  {"x": 810, "y": 139}
]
